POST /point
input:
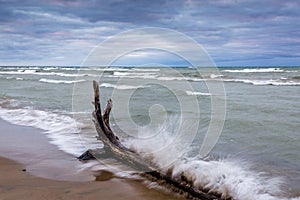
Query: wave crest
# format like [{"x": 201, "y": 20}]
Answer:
[
  {"x": 121, "y": 87},
  {"x": 256, "y": 70},
  {"x": 60, "y": 81}
]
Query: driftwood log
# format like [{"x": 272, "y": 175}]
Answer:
[{"x": 113, "y": 148}]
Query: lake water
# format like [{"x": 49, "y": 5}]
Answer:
[{"x": 165, "y": 113}]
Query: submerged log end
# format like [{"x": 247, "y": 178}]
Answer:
[{"x": 86, "y": 156}]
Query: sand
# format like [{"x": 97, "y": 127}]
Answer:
[{"x": 18, "y": 184}]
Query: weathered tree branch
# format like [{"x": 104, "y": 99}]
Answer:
[{"x": 104, "y": 120}]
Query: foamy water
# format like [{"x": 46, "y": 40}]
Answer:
[
  {"x": 60, "y": 129},
  {"x": 231, "y": 177}
]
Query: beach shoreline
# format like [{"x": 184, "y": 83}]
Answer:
[
  {"x": 32, "y": 168},
  {"x": 31, "y": 147}
]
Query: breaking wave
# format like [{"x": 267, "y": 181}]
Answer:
[
  {"x": 256, "y": 70},
  {"x": 191, "y": 93},
  {"x": 141, "y": 74},
  {"x": 62, "y": 130},
  {"x": 40, "y": 73},
  {"x": 121, "y": 87},
  {"x": 178, "y": 78},
  {"x": 281, "y": 82},
  {"x": 231, "y": 177},
  {"x": 60, "y": 81}
]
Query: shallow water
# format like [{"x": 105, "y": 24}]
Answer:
[{"x": 256, "y": 156}]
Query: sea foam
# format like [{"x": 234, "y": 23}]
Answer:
[
  {"x": 231, "y": 177},
  {"x": 62, "y": 130}
]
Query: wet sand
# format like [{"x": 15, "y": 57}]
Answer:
[
  {"x": 41, "y": 171},
  {"x": 18, "y": 184}
]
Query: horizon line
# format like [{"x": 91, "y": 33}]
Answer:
[{"x": 134, "y": 66}]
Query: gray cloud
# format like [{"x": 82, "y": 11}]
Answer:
[{"x": 64, "y": 31}]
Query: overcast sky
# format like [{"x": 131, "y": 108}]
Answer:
[{"x": 233, "y": 32}]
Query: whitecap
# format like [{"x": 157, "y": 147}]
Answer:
[
  {"x": 146, "y": 69},
  {"x": 38, "y": 73},
  {"x": 265, "y": 82},
  {"x": 49, "y": 68},
  {"x": 61, "y": 81},
  {"x": 255, "y": 70},
  {"x": 104, "y": 69},
  {"x": 191, "y": 93},
  {"x": 121, "y": 87},
  {"x": 165, "y": 78},
  {"x": 133, "y": 74},
  {"x": 216, "y": 76},
  {"x": 27, "y": 71}
]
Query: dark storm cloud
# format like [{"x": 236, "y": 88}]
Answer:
[
  {"x": 57, "y": 31},
  {"x": 136, "y": 12}
]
